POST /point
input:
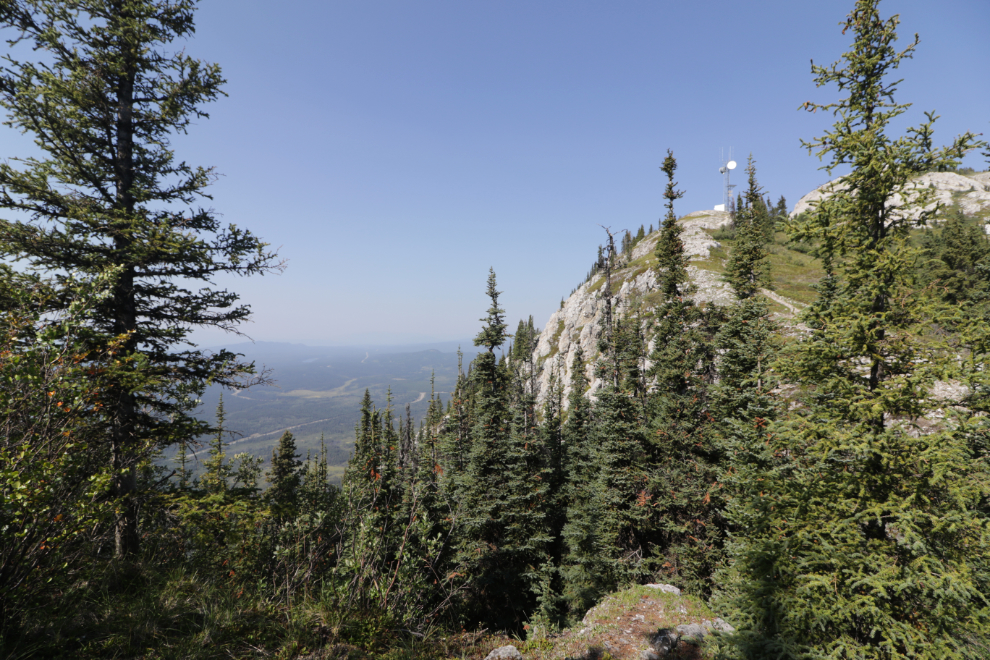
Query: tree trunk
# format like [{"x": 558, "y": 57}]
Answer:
[{"x": 123, "y": 441}]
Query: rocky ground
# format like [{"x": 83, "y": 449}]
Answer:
[{"x": 640, "y": 623}]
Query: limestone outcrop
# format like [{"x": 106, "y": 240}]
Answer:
[
  {"x": 970, "y": 192},
  {"x": 577, "y": 322}
]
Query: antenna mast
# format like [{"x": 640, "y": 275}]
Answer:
[{"x": 725, "y": 170}]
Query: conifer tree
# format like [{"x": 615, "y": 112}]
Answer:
[
  {"x": 493, "y": 547},
  {"x": 284, "y": 477},
  {"x": 548, "y": 466},
  {"x": 955, "y": 262},
  {"x": 183, "y": 460},
  {"x": 780, "y": 211},
  {"x": 744, "y": 403},
  {"x": 504, "y": 492},
  {"x": 746, "y": 339},
  {"x": 748, "y": 269},
  {"x": 584, "y": 566},
  {"x": 685, "y": 528},
  {"x": 868, "y": 542},
  {"x": 217, "y": 467},
  {"x": 672, "y": 263},
  {"x": 620, "y": 497},
  {"x": 103, "y": 105},
  {"x": 316, "y": 494}
]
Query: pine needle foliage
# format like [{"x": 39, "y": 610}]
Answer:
[
  {"x": 583, "y": 564},
  {"x": 106, "y": 191},
  {"x": 671, "y": 261},
  {"x": 285, "y": 477},
  {"x": 684, "y": 455},
  {"x": 868, "y": 540},
  {"x": 503, "y": 539},
  {"x": 748, "y": 267}
]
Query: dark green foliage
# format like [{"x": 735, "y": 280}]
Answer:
[
  {"x": 866, "y": 539},
  {"x": 780, "y": 211},
  {"x": 504, "y": 536},
  {"x": 955, "y": 263},
  {"x": 493, "y": 333},
  {"x": 685, "y": 453},
  {"x": 217, "y": 468},
  {"x": 284, "y": 477},
  {"x": 107, "y": 192},
  {"x": 620, "y": 489},
  {"x": 671, "y": 261},
  {"x": 316, "y": 494},
  {"x": 748, "y": 267},
  {"x": 583, "y": 565},
  {"x": 525, "y": 341},
  {"x": 683, "y": 450}
]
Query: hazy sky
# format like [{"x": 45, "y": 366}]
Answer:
[{"x": 394, "y": 151}]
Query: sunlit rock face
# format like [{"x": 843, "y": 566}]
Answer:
[
  {"x": 970, "y": 192},
  {"x": 578, "y": 322}
]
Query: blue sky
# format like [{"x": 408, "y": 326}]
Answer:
[{"x": 394, "y": 151}]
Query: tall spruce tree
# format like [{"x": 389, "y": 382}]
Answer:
[
  {"x": 583, "y": 567},
  {"x": 685, "y": 525},
  {"x": 285, "y": 477},
  {"x": 869, "y": 542},
  {"x": 748, "y": 268},
  {"x": 495, "y": 547},
  {"x": 744, "y": 403},
  {"x": 217, "y": 468},
  {"x": 617, "y": 433},
  {"x": 103, "y": 106}
]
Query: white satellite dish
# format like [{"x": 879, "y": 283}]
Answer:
[
  {"x": 721, "y": 170},
  {"x": 731, "y": 164}
]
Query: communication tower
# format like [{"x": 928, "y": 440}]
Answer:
[{"x": 726, "y": 170}]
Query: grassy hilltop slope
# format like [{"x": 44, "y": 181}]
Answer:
[{"x": 708, "y": 239}]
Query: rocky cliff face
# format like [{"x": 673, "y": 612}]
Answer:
[{"x": 577, "y": 322}]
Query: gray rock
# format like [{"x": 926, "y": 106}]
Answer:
[
  {"x": 577, "y": 322},
  {"x": 664, "y": 641},
  {"x": 666, "y": 588},
  {"x": 970, "y": 192},
  {"x": 505, "y": 653},
  {"x": 719, "y": 625},
  {"x": 648, "y": 655},
  {"x": 693, "y": 630}
]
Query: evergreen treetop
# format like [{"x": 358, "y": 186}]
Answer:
[
  {"x": 671, "y": 260},
  {"x": 748, "y": 267},
  {"x": 106, "y": 192},
  {"x": 493, "y": 332}
]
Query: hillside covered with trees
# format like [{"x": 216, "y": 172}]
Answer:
[{"x": 818, "y": 481}]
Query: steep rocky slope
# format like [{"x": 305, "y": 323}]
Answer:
[{"x": 577, "y": 322}]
